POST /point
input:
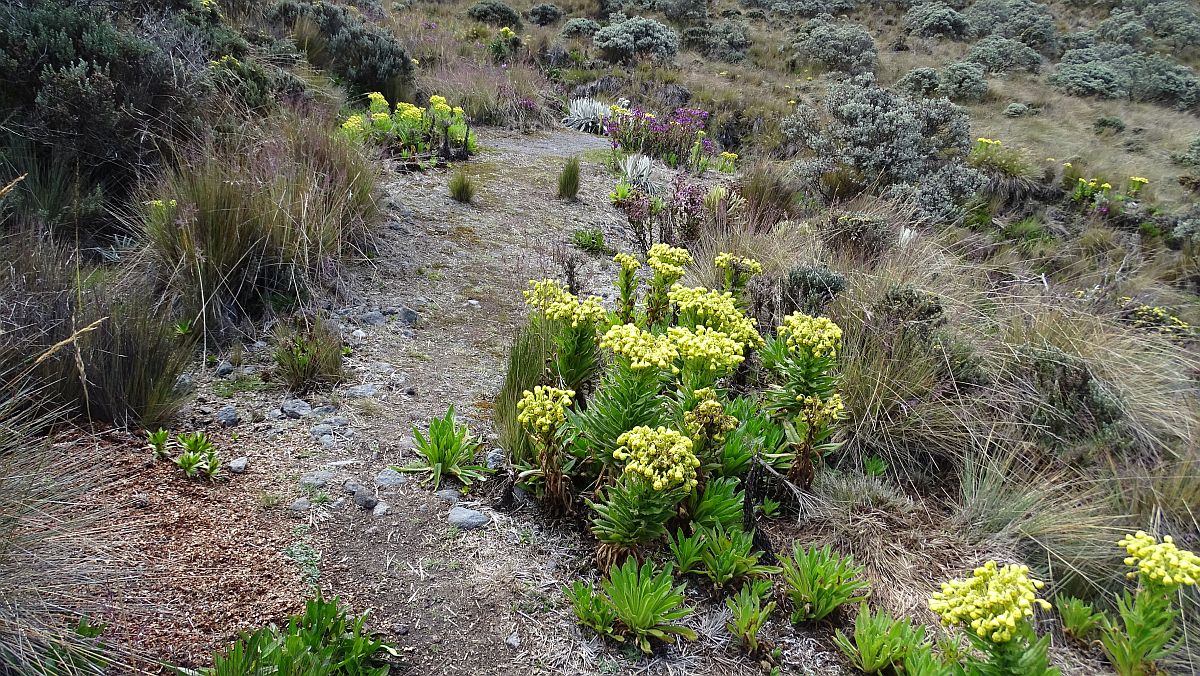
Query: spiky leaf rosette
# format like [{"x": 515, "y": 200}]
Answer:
[
  {"x": 631, "y": 513},
  {"x": 626, "y": 398},
  {"x": 647, "y": 603}
]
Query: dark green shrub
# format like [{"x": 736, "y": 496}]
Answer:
[
  {"x": 93, "y": 97},
  {"x": 579, "y": 28},
  {"x": 803, "y": 8},
  {"x": 1000, "y": 55},
  {"x": 724, "y": 40},
  {"x": 495, "y": 13},
  {"x": 308, "y": 354},
  {"x": 462, "y": 186},
  {"x": 364, "y": 56},
  {"x": 936, "y": 19},
  {"x": 1017, "y": 109},
  {"x": 545, "y": 14},
  {"x": 1191, "y": 156},
  {"x": 1108, "y": 124},
  {"x": 809, "y": 289},
  {"x": 1089, "y": 79},
  {"x": 963, "y": 81},
  {"x": 568, "y": 180},
  {"x": 835, "y": 45},
  {"x": 684, "y": 12},
  {"x": 1025, "y": 20},
  {"x": 920, "y": 82},
  {"x": 636, "y": 38}
]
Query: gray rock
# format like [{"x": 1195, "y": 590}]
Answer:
[
  {"x": 337, "y": 504},
  {"x": 228, "y": 416},
  {"x": 296, "y": 408},
  {"x": 184, "y": 384},
  {"x": 365, "y": 498},
  {"x": 412, "y": 391},
  {"x": 358, "y": 333},
  {"x": 467, "y": 519},
  {"x": 449, "y": 495},
  {"x": 259, "y": 345},
  {"x": 328, "y": 441},
  {"x": 321, "y": 429},
  {"x": 390, "y": 478},
  {"x": 381, "y": 508},
  {"x": 223, "y": 369},
  {"x": 316, "y": 479},
  {"x": 495, "y": 458},
  {"x": 337, "y": 421},
  {"x": 326, "y": 409},
  {"x": 406, "y": 315},
  {"x": 300, "y": 505},
  {"x": 513, "y": 641},
  {"x": 238, "y": 465},
  {"x": 364, "y": 391},
  {"x": 351, "y": 486},
  {"x": 373, "y": 318}
]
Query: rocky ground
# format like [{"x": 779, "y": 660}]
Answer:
[{"x": 455, "y": 585}]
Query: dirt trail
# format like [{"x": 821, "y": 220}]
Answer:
[{"x": 457, "y": 602}]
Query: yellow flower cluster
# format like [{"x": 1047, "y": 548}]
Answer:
[
  {"x": 642, "y": 348},
  {"x": 545, "y": 293},
  {"x": 728, "y": 261},
  {"x": 439, "y": 105},
  {"x": 377, "y": 102},
  {"x": 627, "y": 262},
  {"x": 820, "y": 413},
  {"x": 817, "y": 336},
  {"x": 1159, "y": 319},
  {"x": 988, "y": 141},
  {"x": 557, "y": 303},
  {"x": 1139, "y": 180},
  {"x": 544, "y": 408},
  {"x": 668, "y": 261},
  {"x": 409, "y": 114},
  {"x": 380, "y": 117},
  {"x": 662, "y": 456},
  {"x": 708, "y": 418},
  {"x": 353, "y": 123},
  {"x": 731, "y": 157},
  {"x": 1161, "y": 562},
  {"x": 717, "y": 310},
  {"x": 713, "y": 350},
  {"x": 1106, "y": 186},
  {"x": 993, "y": 602},
  {"x": 507, "y": 33}
]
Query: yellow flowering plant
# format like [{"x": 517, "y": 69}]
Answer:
[
  {"x": 705, "y": 354},
  {"x": 994, "y": 606},
  {"x": 1145, "y": 631},
  {"x": 661, "y": 457},
  {"x": 412, "y": 131},
  {"x": 542, "y": 411},
  {"x": 737, "y": 271},
  {"x": 718, "y": 310},
  {"x": 574, "y": 323},
  {"x": 802, "y": 356},
  {"x": 627, "y": 284},
  {"x": 668, "y": 264}
]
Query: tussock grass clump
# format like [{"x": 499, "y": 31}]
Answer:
[
  {"x": 568, "y": 180},
  {"x": 770, "y": 195},
  {"x": 462, "y": 186},
  {"x": 111, "y": 353},
  {"x": 308, "y": 354},
  {"x": 531, "y": 351},
  {"x": 59, "y": 550},
  {"x": 262, "y": 220}
]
